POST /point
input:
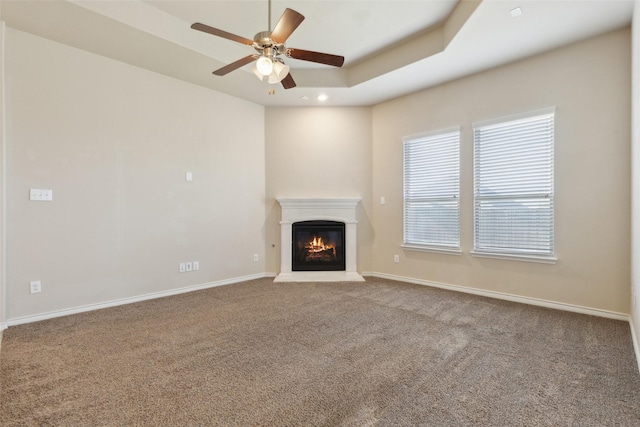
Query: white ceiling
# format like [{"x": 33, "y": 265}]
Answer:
[{"x": 390, "y": 47}]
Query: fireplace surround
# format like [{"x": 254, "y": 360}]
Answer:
[{"x": 324, "y": 211}]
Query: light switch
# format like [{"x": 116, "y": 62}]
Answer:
[
  {"x": 188, "y": 176},
  {"x": 382, "y": 200},
  {"x": 40, "y": 195}
]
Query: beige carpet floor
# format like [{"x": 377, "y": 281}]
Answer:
[{"x": 378, "y": 353}]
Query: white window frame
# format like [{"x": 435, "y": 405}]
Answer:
[
  {"x": 445, "y": 155},
  {"x": 542, "y": 194}
]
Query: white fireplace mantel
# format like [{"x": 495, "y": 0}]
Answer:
[{"x": 341, "y": 210}]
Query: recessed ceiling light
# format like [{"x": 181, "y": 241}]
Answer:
[
  {"x": 516, "y": 12},
  {"x": 322, "y": 97}
]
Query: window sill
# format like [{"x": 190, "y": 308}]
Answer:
[
  {"x": 515, "y": 257},
  {"x": 432, "y": 249}
]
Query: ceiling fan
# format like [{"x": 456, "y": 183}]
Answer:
[{"x": 270, "y": 45}]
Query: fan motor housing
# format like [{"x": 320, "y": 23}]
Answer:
[
  {"x": 262, "y": 41},
  {"x": 263, "y": 38}
]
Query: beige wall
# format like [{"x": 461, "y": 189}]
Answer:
[
  {"x": 635, "y": 181},
  {"x": 2, "y": 192},
  {"x": 318, "y": 152},
  {"x": 114, "y": 143},
  {"x": 588, "y": 83}
]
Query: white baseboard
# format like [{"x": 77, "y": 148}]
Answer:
[
  {"x": 129, "y": 300},
  {"x": 508, "y": 297}
]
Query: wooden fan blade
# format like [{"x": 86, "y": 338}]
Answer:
[
  {"x": 288, "y": 82},
  {"x": 235, "y": 65},
  {"x": 287, "y": 24},
  {"x": 320, "y": 58},
  {"x": 216, "y": 32}
]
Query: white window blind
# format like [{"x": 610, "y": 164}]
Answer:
[
  {"x": 432, "y": 190},
  {"x": 513, "y": 186}
]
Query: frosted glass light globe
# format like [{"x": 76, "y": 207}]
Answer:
[
  {"x": 264, "y": 65},
  {"x": 280, "y": 71}
]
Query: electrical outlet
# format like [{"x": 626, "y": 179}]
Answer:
[
  {"x": 189, "y": 266},
  {"x": 183, "y": 267},
  {"x": 396, "y": 258},
  {"x": 196, "y": 265},
  {"x": 36, "y": 286},
  {"x": 255, "y": 258}
]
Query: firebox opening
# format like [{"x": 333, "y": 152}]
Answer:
[{"x": 318, "y": 246}]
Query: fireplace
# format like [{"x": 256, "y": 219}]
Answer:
[
  {"x": 325, "y": 219},
  {"x": 317, "y": 246}
]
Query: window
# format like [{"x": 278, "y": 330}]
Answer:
[
  {"x": 432, "y": 191},
  {"x": 513, "y": 187}
]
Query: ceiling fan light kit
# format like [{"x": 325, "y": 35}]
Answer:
[{"x": 270, "y": 45}]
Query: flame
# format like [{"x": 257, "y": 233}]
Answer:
[{"x": 318, "y": 245}]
